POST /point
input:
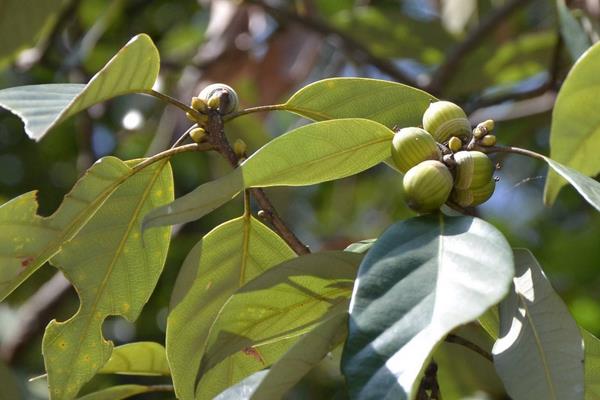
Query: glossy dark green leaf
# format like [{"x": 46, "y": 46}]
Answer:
[
  {"x": 386, "y": 102},
  {"x": 114, "y": 272},
  {"x": 311, "y": 154},
  {"x": 423, "y": 278},
  {"x": 138, "y": 358},
  {"x": 575, "y": 132},
  {"x": 223, "y": 261},
  {"x": 28, "y": 240},
  {"x": 539, "y": 353},
  {"x": 41, "y": 107},
  {"x": 263, "y": 319}
]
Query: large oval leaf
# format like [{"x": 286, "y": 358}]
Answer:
[
  {"x": 575, "y": 134},
  {"x": 587, "y": 187},
  {"x": 539, "y": 353},
  {"x": 139, "y": 358},
  {"x": 311, "y": 154},
  {"x": 386, "y": 102},
  {"x": 227, "y": 257},
  {"x": 423, "y": 277},
  {"x": 27, "y": 240},
  {"x": 592, "y": 365},
  {"x": 114, "y": 272},
  {"x": 133, "y": 69},
  {"x": 266, "y": 316}
]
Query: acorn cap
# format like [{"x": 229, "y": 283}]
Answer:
[
  {"x": 410, "y": 146},
  {"x": 473, "y": 169},
  {"x": 444, "y": 119},
  {"x": 474, "y": 196},
  {"x": 427, "y": 186}
]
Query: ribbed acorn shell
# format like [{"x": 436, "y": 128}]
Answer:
[
  {"x": 444, "y": 119},
  {"x": 473, "y": 169},
  {"x": 427, "y": 186},
  {"x": 411, "y": 146},
  {"x": 206, "y": 93},
  {"x": 474, "y": 196}
]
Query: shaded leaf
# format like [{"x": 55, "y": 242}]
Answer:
[
  {"x": 302, "y": 357},
  {"x": 114, "y": 273},
  {"x": 591, "y": 345},
  {"x": 539, "y": 353},
  {"x": 27, "y": 240},
  {"x": 575, "y": 131},
  {"x": 22, "y": 22},
  {"x": 386, "y": 102},
  {"x": 224, "y": 260},
  {"x": 423, "y": 278},
  {"x": 577, "y": 41},
  {"x": 121, "y": 392},
  {"x": 264, "y": 318},
  {"x": 41, "y": 107},
  {"x": 308, "y": 155},
  {"x": 139, "y": 358},
  {"x": 10, "y": 387},
  {"x": 587, "y": 187}
]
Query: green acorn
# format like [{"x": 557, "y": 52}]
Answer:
[
  {"x": 427, "y": 186},
  {"x": 455, "y": 144},
  {"x": 410, "y": 146},
  {"x": 488, "y": 140},
  {"x": 483, "y": 128},
  {"x": 474, "y": 196},
  {"x": 444, "y": 119},
  {"x": 212, "y": 96},
  {"x": 473, "y": 169},
  {"x": 197, "y": 134}
]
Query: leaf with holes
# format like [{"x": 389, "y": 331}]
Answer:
[
  {"x": 41, "y": 107},
  {"x": 311, "y": 154},
  {"x": 114, "y": 272},
  {"x": 539, "y": 353},
  {"x": 575, "y": 132},
  {"x": 224, "y": 260},
  {"x": 423, "y": 278},
  {"x": 264, "y": 318},
  {"x": 139, "y": 358},
  {"x": 386, "y": 102},
  {"x": 27, "y": 240}
]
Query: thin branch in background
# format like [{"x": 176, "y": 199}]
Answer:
[
  {"x": 429, "y": 388},
  {"x": 489, "y": 23},
  {"x": 451, "y": 338},
  {"x": 355, "y": 50}
]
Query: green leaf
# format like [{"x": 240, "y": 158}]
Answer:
[
  {"x": 27, "y": 240},
  {"x": 575, "y": 132},
  {"x": 114, "y": 272},
  {"x": 361, "y": 247},
  {"x": 587, "y": 187},
  {"x": 266, "y": 316},
  {"x": 121, "y": 392},
  {"x": 224, "y": 260},
  {"x": 301, "y": 358},
  {"x": 244, "y": 389},
  {"x": 41, "y": 107},
  {"x": 311, "y": 154},
  {"x": 577, "y": 41},
  {"x": 139, "y": 358},
  {"x": 591, "y": 345},
  {"x": 386, "y": 102},
  {"x": 10, "y": 387},
  {"x": 423, "y": 278},
  {"x": 22, "y": 23},
  {"x": 539, "y": 353}
]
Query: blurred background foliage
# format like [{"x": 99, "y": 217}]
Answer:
[{"x": 499, "y": 59}]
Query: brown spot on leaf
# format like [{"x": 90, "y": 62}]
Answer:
[
  {"x": 26, "y": 261},
  {"x": 254, "y": 353}
]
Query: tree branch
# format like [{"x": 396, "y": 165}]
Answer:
[
  {"x": 216, "y": 136},
  {"x": 454, "y": 58},
  {"x": 353, "y": 49},
  {"x": 451, "y": 338}
]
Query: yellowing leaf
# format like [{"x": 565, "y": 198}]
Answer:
[{"x": 114, "y": 272}]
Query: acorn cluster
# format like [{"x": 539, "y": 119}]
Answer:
[{"x": 438, "y": 160}]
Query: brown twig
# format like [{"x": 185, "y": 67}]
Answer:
[
  {"x": 429, "y": 389},
  {"x": 216, "y": 136},
  {"x": 354, "y": 49},
  {"x": 457, "y": 54},
  {"x": 451, "y": 338}
]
